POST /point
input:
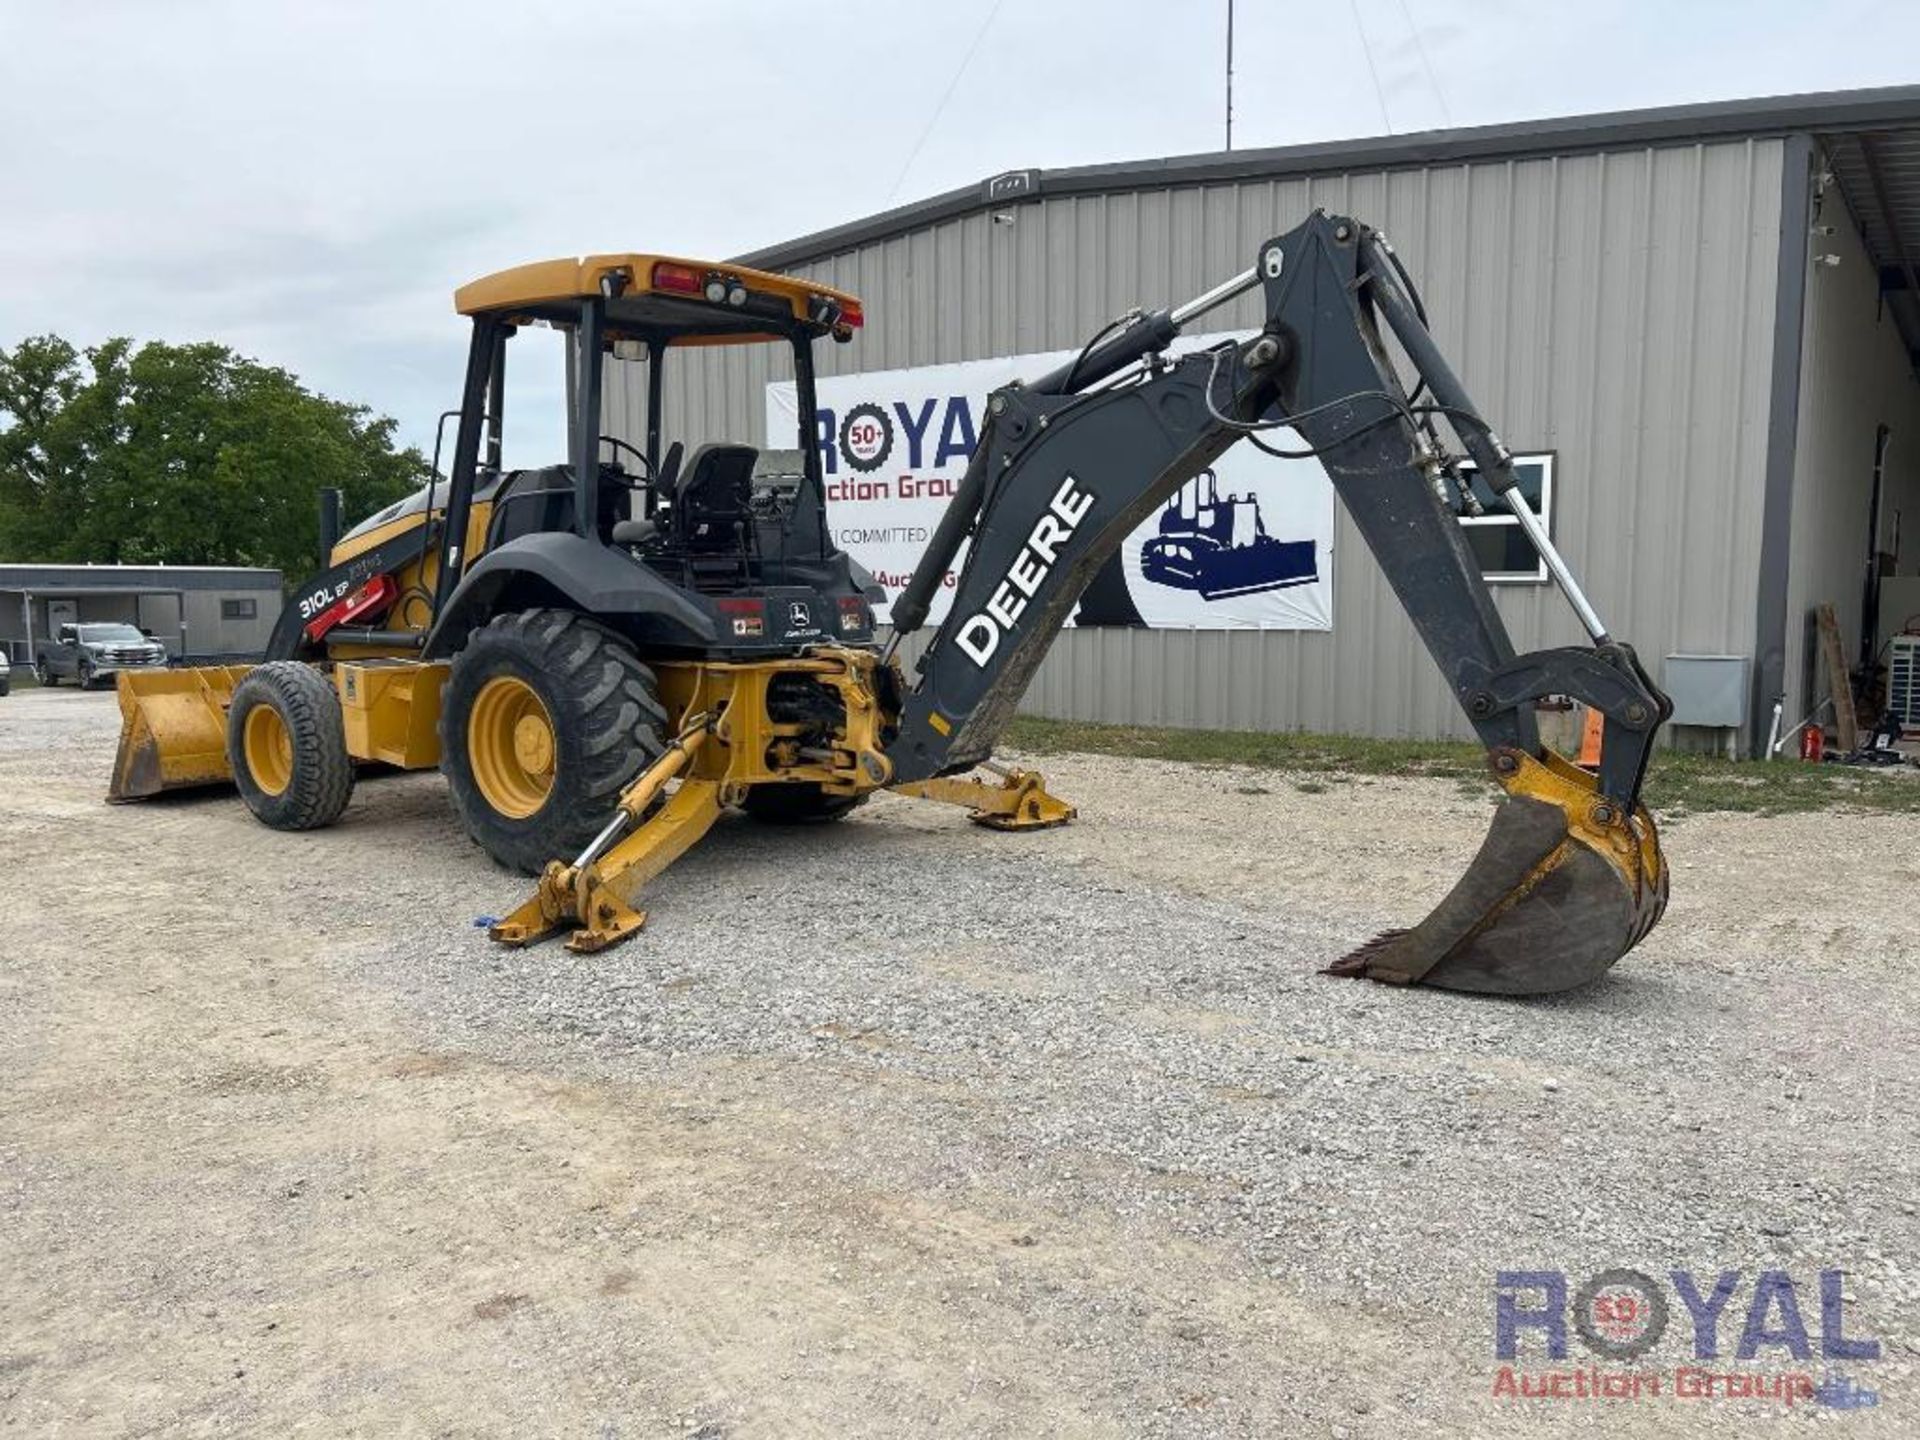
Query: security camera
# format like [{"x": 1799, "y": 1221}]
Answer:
[{"x": 1003, "y": 217}]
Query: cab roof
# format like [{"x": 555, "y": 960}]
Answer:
[{"x": 667, "y": 298}]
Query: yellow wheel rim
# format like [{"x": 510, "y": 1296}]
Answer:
[
  {"x": 269, "y": 750},
  {"x": 510, "y": 747}
]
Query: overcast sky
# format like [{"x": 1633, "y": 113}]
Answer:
[{"x": 309, "y": 181}]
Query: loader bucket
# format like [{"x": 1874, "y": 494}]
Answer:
[
  {"x": 1562, "y": 887},
  {"x": 173, "y": 730}
]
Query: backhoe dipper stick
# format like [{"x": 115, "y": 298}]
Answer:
[{"x": 1489, "y": 453}]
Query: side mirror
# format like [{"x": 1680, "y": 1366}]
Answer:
[{"x": 146, "y": 632}]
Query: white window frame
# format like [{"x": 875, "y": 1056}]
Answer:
[{"x": 1538, "y": 575}]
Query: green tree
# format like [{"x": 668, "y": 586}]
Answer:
[{"x": 179, "y": 454}]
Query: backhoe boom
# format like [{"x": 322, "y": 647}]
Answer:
[{"x": 1069, "y": 465}]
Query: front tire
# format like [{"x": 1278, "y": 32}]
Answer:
[
  {"x": 287, "y": 746},
  {"x": 546, "y": 718}
]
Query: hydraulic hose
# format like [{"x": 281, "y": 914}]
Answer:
[
  {"x": 910, "y": 610},
  {"x": 1147, "y": 334}
]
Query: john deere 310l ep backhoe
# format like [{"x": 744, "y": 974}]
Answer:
[{"x": 603, "y": 656}]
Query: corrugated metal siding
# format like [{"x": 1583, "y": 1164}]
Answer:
[
  {"x": 1854, "y": 377},
  {"x": 1616, "y": 308}
]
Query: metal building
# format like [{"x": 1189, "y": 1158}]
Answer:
[
  {"x": 1709, "y": 315},
  {"x": 203, "y": 613}
]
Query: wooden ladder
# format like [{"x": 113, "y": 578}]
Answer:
[{"x": 1846, "y": 722}]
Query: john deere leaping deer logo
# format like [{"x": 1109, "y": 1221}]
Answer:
[{"x": 1220, "y": 547}]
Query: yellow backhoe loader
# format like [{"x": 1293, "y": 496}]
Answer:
[{"x": 603, "y": 656}]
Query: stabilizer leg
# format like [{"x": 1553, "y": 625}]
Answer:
[
  {"x": 1021, "y": 801},
  {"x": 597, "y": 898},
  {"x": 596, "y": 891}
]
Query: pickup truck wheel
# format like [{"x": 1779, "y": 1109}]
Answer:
[
  {"x": 546, "y": 718},
  {"x": 84, "y": 674},
  {"x": 288, "y": 746},
  {"x": 43, "y": 672}
]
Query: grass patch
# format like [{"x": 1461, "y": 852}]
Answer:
[
  {"x": 1333, "y": 754},
  {"x": 1677, "y": 785}
]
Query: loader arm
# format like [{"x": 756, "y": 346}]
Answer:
[{"x": 1068, "y": 465}]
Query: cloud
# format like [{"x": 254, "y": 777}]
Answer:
[{"x": 310, "y": 182}]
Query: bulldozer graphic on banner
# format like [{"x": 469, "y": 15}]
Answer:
[{"x": 1220, "y": 547}]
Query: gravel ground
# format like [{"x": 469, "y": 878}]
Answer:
[{"x": 902, "y": 1127}]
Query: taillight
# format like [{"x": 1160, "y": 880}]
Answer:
[
  {"x": 850, "y": 315},
  {"x": 681, "y": 279}
]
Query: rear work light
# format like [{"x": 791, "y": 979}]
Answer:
[
  {"x": 835, "y": 314},
  {"x": 681, "y": 279}
]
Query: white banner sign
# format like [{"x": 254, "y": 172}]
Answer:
[{"x": 1247, "y": 544}]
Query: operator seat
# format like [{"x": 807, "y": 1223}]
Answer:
[
  {"x": 712, "y": 506},
  {"x": 642, "y": 528}
]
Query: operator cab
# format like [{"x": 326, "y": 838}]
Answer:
[
  {"x": 689, "y": 546},
  {"x": 712, "y": 517}
]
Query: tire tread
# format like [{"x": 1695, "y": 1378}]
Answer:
[
  {"x": 605, "y": 691},
  {"x": 322, "y": 779}
]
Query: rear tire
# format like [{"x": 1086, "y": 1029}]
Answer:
[
  {"x": 288, "y": 746},
  {"x": 798, "y": 804},
  {"x": 547, "y": 717},
  {"x": 43, "y": 672}
]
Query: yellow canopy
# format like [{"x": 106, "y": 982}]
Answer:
[{"x": 683, "y": 291}]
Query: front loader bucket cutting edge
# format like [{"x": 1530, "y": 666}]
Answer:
[
  {"x": 173, "y": 730},
  {"x": 1562, "y": 887}
]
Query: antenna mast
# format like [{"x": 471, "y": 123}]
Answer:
[{"x": 1229, "y": 74}]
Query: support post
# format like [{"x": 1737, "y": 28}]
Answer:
[
  {"x": 466, "y": 456},
  {"x": 589, "y": 369}
]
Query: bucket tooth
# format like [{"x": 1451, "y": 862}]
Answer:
[{"x": 1563, "y": 886}]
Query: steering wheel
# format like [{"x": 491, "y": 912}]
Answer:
[{"x": 624, "y": 480}]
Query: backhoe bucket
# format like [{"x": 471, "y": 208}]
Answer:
[
  {"x": 173, "y": 730},
  {"x": 1563, "y": 886}
]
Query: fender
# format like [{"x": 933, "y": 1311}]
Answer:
[{"x": 564, "y": 568}]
